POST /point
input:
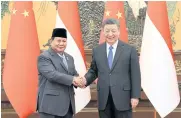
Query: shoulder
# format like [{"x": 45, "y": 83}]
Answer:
[
  {"x": 126, "y": 45},
  {"x": 44, "y": 54},
  {"x": 99, "y": 47}
]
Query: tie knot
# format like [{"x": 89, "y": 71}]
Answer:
[{"x": 110, "y": 48}]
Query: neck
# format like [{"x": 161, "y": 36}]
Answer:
[{"x": 112, "y": 43}]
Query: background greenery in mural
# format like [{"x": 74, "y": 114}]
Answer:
[
  {"x": 4, "y": 8},
  {"x": 171, "y": 6}
]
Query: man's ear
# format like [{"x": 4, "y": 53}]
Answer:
[{"x": 102, "y": 29}]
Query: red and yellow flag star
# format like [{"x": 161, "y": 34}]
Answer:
[
  {"x": 14, "y": 11},
  {"x": 119, "y": 15},
  {"x": 107, "y": 13},
  {"x": 25, "y": 13}
]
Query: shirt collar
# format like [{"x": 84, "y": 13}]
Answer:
[
  {"x": 114, "y": 45},
  {"x": 61, "y": 55}
]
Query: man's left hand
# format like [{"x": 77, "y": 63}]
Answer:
[{"x": 134, "y": 102}]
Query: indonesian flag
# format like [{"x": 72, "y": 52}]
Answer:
[
  {"x": 115, "y": 9},
  {"x": 159, "y": 79},
  {"x": 20, "y": 75},
  {"x": 68, "y": 18}
]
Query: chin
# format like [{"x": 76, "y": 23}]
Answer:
[
  {"x": 111, "y": 41},
  {"x": 59, "y": 50}
]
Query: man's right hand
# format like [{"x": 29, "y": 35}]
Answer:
[{"x": 79, "y": 81}]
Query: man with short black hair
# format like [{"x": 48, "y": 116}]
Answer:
[
  {"x": 57, "y": 76},
  {"x": 116, "y": 65}
]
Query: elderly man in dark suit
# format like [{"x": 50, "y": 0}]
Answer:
[
  {"x": 57, "y": 76},
  {"x": 116, "y": 65}
]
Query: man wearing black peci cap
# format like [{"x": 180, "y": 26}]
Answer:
[{"x": 57, "y": 76}]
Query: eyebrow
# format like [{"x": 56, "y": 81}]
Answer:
[{"x": 110, "y": 29}]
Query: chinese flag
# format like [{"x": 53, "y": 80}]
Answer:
[
  {"x": 115, "y": 9},
  {"x": 20, "y": 76}
]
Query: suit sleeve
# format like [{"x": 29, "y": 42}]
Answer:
[
  {"x": 75, "y": 71},
  {"x": 92, "y": 73},
  {"x": 46, "y": 68},
  {"x": 135, "y": 74}
]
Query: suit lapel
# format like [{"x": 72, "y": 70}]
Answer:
[
  {"x": 57, "y": 59},
  {"x": 62, "y": 64},
  {"x": 119, "y": 51},
  {"x": 104, "y": 50}
]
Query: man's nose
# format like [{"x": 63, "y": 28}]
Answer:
[
  {"x": 61, "y": 43},
  {"x": 110, "y": 34}
]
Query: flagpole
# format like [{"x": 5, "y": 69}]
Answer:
[{"x": 154, "y": 113}]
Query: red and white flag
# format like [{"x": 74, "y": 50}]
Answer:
[
  {"x": 158, "y": 74},
  {"x": 68, "y": 18}
]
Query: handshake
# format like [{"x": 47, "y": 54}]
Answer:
[{"x": 79, "y": 82}]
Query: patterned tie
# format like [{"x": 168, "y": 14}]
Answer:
[
  {"x": 110, "y": 57},
  {"x": 65, "y": 62}
]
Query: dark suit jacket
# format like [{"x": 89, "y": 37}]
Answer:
[
  {"x": 55, "y": 83},
  {"x": 123, "y": 80}
]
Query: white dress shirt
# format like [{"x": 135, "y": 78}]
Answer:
[{"x": 114, "y": 48}]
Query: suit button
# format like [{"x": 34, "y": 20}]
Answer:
[{"x": 110, "y": 74}]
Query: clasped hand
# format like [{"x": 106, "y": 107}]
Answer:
[{"x": 79, "y": 81}]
